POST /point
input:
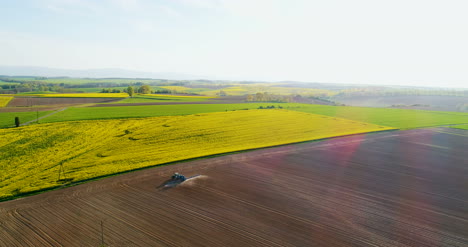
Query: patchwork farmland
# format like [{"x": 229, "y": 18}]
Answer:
[
  {"x": 92, "y": 172},
  {"x": 88, "y": 149},
  {"x": 233, "y": 123},
  {"x": 405, "y": 188}
]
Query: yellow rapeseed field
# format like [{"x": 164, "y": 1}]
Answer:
[
  {"x": 261, "y": 88},
  {"x": 31, "y": 155},
  {"x": 4, "y": 101},
  {"x": 232, "y": 91},
  {"x": 178, "y": 96}
]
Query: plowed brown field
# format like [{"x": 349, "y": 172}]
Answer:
[{"x": 405, "y": 188}]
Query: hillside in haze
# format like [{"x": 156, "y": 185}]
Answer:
[{"x": 91, "y": 73}]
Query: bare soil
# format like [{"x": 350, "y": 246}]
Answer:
[{"x": 401, "y": 188}]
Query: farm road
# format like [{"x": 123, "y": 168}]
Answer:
[
  {"x": 48, "y": 115},
  {"x": 399, "y": 188}
]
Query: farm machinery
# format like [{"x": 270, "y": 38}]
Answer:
[{"x": 176, "y": 179}]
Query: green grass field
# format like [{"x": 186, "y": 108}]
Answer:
[
  {"x": 463, "y": 127},
  {"x": 398, "y": 118},
  {"x": 92, "y": 113},
  {"x": 7, "y": 119}
]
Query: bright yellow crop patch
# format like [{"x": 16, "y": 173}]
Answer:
[
  {"x": 32, "y": 155},
  {"x": 4, "y": 101},
  {"x": 178, "y": 96},
  {"x": 85, "y": 95}
]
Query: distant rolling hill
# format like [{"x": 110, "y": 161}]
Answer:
[{"x": 91, "y": 73}]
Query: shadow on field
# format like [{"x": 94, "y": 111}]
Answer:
[
  {"x": 168, "y": 184},
  {"x": 171, "y": 183}
]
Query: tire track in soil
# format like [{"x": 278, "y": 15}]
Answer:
[{"x": 182, "y": 206}]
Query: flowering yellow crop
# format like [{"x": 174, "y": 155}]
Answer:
[
  {"x": 237, "y": 91},
  {"x": 178, "y": 96},
  {"x": 32, "y": 155},
  {"x": 262, "y": 88},
  {"x": 85, "y": 95},
  {"x": 4, "y": 101}
]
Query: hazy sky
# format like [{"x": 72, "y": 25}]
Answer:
[{"x": 418, "y": 42}]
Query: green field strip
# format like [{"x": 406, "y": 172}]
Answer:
[
  {"x": 398, "y": 118},
  {"x": 463, "y": 127},
  {"x": 7, "y": 119},
  {"x": 116, "y": 112}
]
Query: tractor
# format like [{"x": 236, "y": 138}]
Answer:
[{"x": 178, "y": 177}]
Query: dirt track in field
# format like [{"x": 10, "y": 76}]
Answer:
[{"x": 404, "y": 188}]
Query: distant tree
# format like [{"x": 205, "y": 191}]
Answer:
[
  {"x": 259, "y": 97},
  {"x": 145, "y": 89},
  {"x": 222, "y": 93},
  {"x": 17, "y": 121},
  {"x": 130, "y": 91}
]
